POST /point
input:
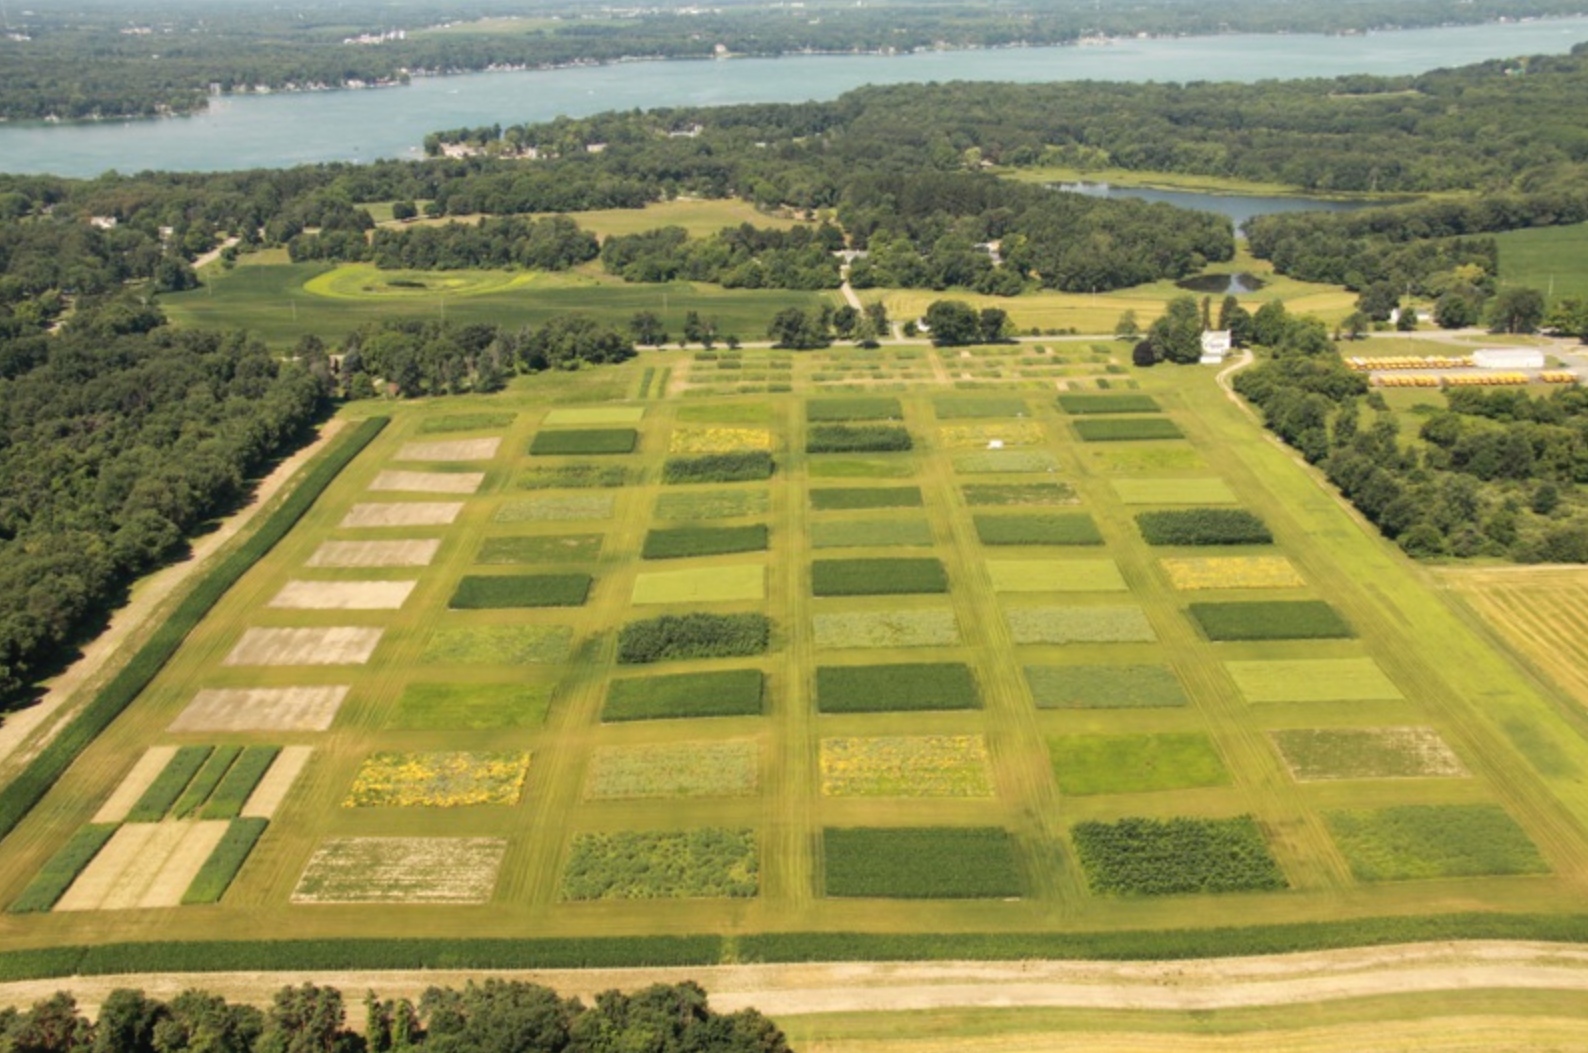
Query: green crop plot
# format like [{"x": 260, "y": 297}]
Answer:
[
  {"x": 896, "y": 688},
  {"x": 1433, "y": 841},
  {"x": 682, "y": 542},
  {"x": 857, "y": 438},
  {"x": 1059, "y": 528},
  {"x": 1126, "y": 429},
  {"x": 847, "y": 409},
  {"x": 499, "y": 645},
  {"x": 1203, "y": 526},
  {"x": 1064, "y": 625},
  {"x": 1086, "y": 404},
  {"x": 877, "y": 577},
  {"x": 900, "y": 467},
  {"x": 574, "y": 477},
  {"x": 501, "y": 592},
  {"x": 544, "y": 548},
  {"x": 701, "y": 585},
  {"x": 1013, "y": 462},
  {"x": 1270, "y": 620},
  {"x": 720, "y": 693},
  {"x": 903, "y": 628},
  {"x": 450, "y": 706},
  {"x": 1145, "y": 459},
  {"x": 977, "y": 407},
  {"x": 1055, "y": 575},
  {"x": 1091, "y": 764},
  {"x": 662, "y": 864},
  {"x": 1174, "y": 492},
  {"x": 1104, "y": 687},
  {"x": 871, "y": 533},
  {"x": 1317, "y": 754},
  {"x": 712, "y": 504},
  {"x": 456, "y": 422},
  {"x": 733, "y": 466},
  {"x": 931, "y": 862},
  {"x": 675, "y": 769},
  {"x": 1158, "y": 857},
  {"x": 57, "y": 875},
  {"x": 672, "y": 637},
  {"x": 1313, "y": 680},
  {"x": 584, "y": 441},
  {"x": 569, "y": 508},
  {"x": 1018, "y": 494},
  {"x": 830, "y": 499},
  {"x": 725, "y": 413}
]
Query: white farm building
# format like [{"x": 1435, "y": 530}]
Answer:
[{"x": 1508, "y": 358}]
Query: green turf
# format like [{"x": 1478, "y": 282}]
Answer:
[
  {"x": 505, "y": 591},
  {"x": 499, "y": 645},
  {"x": 1270, "y": 620},
  {"x": 932, "y": 862},
  {"x": 843, "y": 409},
  {"x": 1094, "y": 764},
  {"x": 871, "y": 533},
  {"x": 897, "y": 687},
  {"x": 1055, "y": 575},
  {"x": 540, "y": 548},
  {"x": 977, "y": 407},
  {"x": 584, "y": 441},
  {"x": 1546, "y": 258},
  {"x": 682, "y": 542},
  {"x": 457, "y": 706},
  {"x": 979, "y": 495},
  {"x": 1063, "y": 625},
  {"x": 887, "y": 467},
  {"x": 1174, "y": 492},
  {"x": 1157, "y": 857},
  {"x": 1104, "y": 687},
  {"x": 1312, "y": 680},
  {"x": 1059, "y": 528},
  {"x": 701, "y": 585},
  {"x": 1411, "y": 842},
  {"x": 828, "y": 499},
  {"x": 719, "y": 693},
  {"x": 877, "y": 577},
  {"x": 994, "y": 462},
  {"x": 712, "y": 504}
]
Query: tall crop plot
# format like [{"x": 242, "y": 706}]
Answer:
[
  {"x": 898, "y": 687},
  {"x": 1203, "y": 526},
  {"x": 1127, "y": 429},
  {"x": 1270, "y": 620},
  {"x": 504, "y": 592},
  {"x": 857, "y": 438},
  {"x": 877, "y": 577},
  {"x": 848, "y": 409},
  {"x": 663, "y": 864},
  {"x": 584, "y": 441},
  {"x": 1164, "y": 857},
  {"x": 930, "y": 862},
  {"x": 720, "y": 693},
  {"x": 678, "y": 636},
  {"x": 1433, "y": 841},
  {"x": 733, "y": 467},
  {"x": 680, "y": 542}
]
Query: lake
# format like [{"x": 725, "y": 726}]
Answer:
[{"x": 272, "y": 131}]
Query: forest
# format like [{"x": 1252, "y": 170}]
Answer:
[{"x": 97, "y": 59}]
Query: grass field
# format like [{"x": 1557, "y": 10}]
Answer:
[{"x": 1546, "y": 258}]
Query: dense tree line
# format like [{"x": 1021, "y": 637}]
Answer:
[
  {"x": 1494, "y": 473},
  {"x": 552, "y": 244},
  {"x": 495, "y": 1016},
  {"x": 742, "y": 257}
]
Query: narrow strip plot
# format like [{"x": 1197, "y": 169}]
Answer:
[
  {"x": 277, "y": 782},
  {"x": 132, "y": 787}
]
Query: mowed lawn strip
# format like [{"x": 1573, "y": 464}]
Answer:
[
  {"x": 1092, "y": 764},
  {"x": 1057, "y": 528},
  {"x": 1410, "y": 842},
  {"x": 827, "y": 499},
  {"x": 584, "y": 441},
  {"x": 719, "y": 693},
  {"x": 681, "y": 542},
  {"x": 877, "y": 577},
  {"x": 929, "y": 862},
  {"x": 896, "y": 688},
  {"x": 1270, "y": 620},
  {"x": 1162, "y": 857},
  {"x": 512, "y": 591},
  {"x": 1104, "y": 687}
]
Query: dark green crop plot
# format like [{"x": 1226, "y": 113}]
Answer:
[
  {"x": 828, "y": 499},
  {"x": 1068, "y": 528},
  {"x": 1166, "y": 857},
  {"x": 584, "y": 441},
  {"x": 574, "y": 477},
  {"x": 220, "y": 869},
  {"x": 876, "y": 408},
  {"x": 508, "y": 591},
  {"x": 1082, "y": 404},
  {"x": 722, "y": 693},
  {"x": 169, "y": 784},
  {"x": 198, "y": 791},
  {"x": 857, "y": 438},
  {"x": 57, "y": 875},
  {"x": 895, "y": 688},
  {"x": 229, "y": 797},
  {"x": 877, "y": 577},
  {"x": 741, "y": 466},
  {"x": 679, "y": 542},
  {"x": 1127, "y": 429},
  {"x": 678, "y": 636},
  {"x": 1270, "y": 620},
  {"x": 1203, "y": 526},
  {"x": 928, "y": 862}
]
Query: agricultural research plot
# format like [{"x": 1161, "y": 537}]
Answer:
[
  {"x": 871, "y": 533},
  {"x": 1079, "y": 404},
  {"x": 1094, "y": 764},
  {"x": 899, "y": 466},
  {"x": 1066, "y": 625},
  {"x": 429, "y": 482},
  {"x": 877, "y": 577},
  {"x": 1144, "y": 459},
  {"x": 63, "y": 868},
  {"x": 702, "y": 585},
  {"x": 1232, "y": 572},
  {"x": 402, "y": 870},
  {"x": 855, "y": 498},
  {"x": 1055, "y": 575},
  {"x": 261, "y": 709},
  {"x": 725, "y": 412},
  {"x": 896, "y": 688},
  {"x": 1413, "y": 842},
  {"x": 994, "y": 462},
  {"x": 1270, "y": 620},
  {"x": 712, "y": 504},
  {"x": 678, "y": 769},
  {"x": 1321, "y": 754},
  {"x": 268, "y": 791},
  {"x": 1203, "y": 526},
  {"x": 930, "y": 862},
  {"x": 846, "y": 409},
  {"x": 719, "y": 693},
  {"x": 1057, "y": 528},
  {"x": 1105, "y": 687},
  {"x": 499, "y": 645},
  {"x": 1174, "y": 492},
  {"x": 458, "y": 422},
  {"x": 975, "y": 407},
  {"x": 906, "y": 766},
  {"x": 744, "y": 466},
  {"x": 595, "y": 415},
  {"x": 1126, "y": 429},
  {"x": 343, "y": 595},
  {"x": 674, "y": 637},
  {"x": 144, "y": 865},
  {"x": 519, "y": 591},
  {"x": 709, "y": 862},
  {"x": 578, "y": 476},
  {"x": 1165, "y": 857},
  {"x": 418, "y": 552},
  {"x": 559, "y": 508},
  {"x": 995, "y": 495},
  {"x": 540, "y": 548},
  {"x": 589, "y": 441},
  {"x": 900, "y": 628},
  {"x": 406, "y": 514},
  {"x": 990, "y": 436},
  {"x": 468, "y": 707},
  {"x": 1313, "y": 680},
  {"x": 857, "y": 438},
  {"x": 682, "y": 542},
  {"x": 333, "y": 645},
  {"x": 438, "y": 779},
  {"x": 718, "y": 440},
  {"x": 449, "y": 450}
]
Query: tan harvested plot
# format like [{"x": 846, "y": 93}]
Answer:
[
  {"x": 1313, "y": 680},
  {"x": 180, "y": 866},
  {"x": 144, "y": 865},
  {"x": 429, "y": 482},
  {"x": 1232, "y": 572},
  {"x": 262, "y": 709},
  {"x": 333, "y": 645},
  {"x": 277, "y": 783},
  {"x": 343, "y": 595},
  {"x": 702, "y": 585},
  {"x": 1055, "y": 575},
  {"x": 1174, "y": 492},
  {"x": 1541, "y": 613},
  {"x": 415, "y": 514},
  {"x": 901, "y": 628},
  {"x": 1320, "y": 754},
  {"x": 402, "y": 870},
  {"x": 144, "y": 772},
  {"x": 595, "y": 415},
  {"x": 450, "y": 450},
  {"x": 418, "y": 552}
]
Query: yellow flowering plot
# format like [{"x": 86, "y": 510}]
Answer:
[
  {"x": 906, "y": 766},
  {"x": 719, "y": 440},
  {"x": 1233, "y": 572},
  {"x": 442, "y": 779},
  {"x": 978, "y": 436}
]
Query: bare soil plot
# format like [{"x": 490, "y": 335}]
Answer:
[
  {"x": 414, "y": 514},
  {"x": 145, "y": 771},
  {"x": 343, "y": 595},
  {"x": 276, "y": 784},
  {"x": 450, "y": 450},
  {"x": 429, "y": 482},
  {"x": 1319, "y": 754},
  {"x": 417, "y": 552},
  {"x": 331, "y": 645},
  {"x": 144, "y": 865},
  {"x": 402, "y": 870},
  {"x": 262, "y": 709}
]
